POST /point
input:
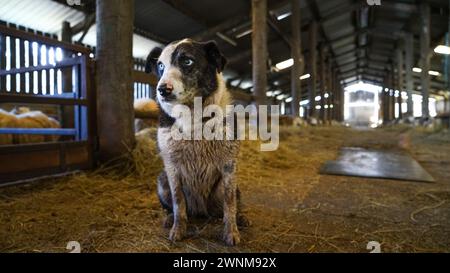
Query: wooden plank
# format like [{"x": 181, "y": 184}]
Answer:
[
  {"x": 92, "y": 111},
  {"x": 77, "y": 155},
  {"x": 31, "y": 64},
  {"x": 41, "y": 99},
  {"x": 83, "y": 93},
  {"x": 42, "y": 39},
  {"x": 23, "y": 148},
  {"x": 9, "y": 180},
  {"x": 39, "y": 74},
  {"x": 47, "y": 71},
  {"x": 34, "y": 160},
  {"x": 65, "y": 63},
  {"x": 22, "y": 64},
  {"x": 38, "y": 131},
  {"x": 2, "y": 61},
  {"x": 55, "y": 78},
  {"x": 142, "y": 77},
  {"x": 12, "y": 48}
]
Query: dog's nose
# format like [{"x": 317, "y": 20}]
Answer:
[{"x": 165, "y": 89}]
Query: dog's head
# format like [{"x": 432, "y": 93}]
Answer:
[{"x": 185, "y": 69}]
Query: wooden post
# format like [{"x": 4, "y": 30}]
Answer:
[
  {"x": 67, "y": 112},
  {"x": 47, "y": 72},
  {"x": 409, "y": 62},
  {"x": 330, "y": 90},
  {"x": 389, "y": 94},
  {"x": 114, "y": 83},
  {"x": 39, "y": 62},
  {"x": 13, "y": 77},
  {"x": 323, "y": 83},
  {"x": 394, "y": 87},
  {"x": 399, "y": 53},
  {"x": 66, "y": 36},
  {"x": 341, "y": 102},
  {"x": 296, "y": 51},
  {"x": 337, "y": 101},
  {"x": 313, "y": 69},
  {"x": 22, "y": 84},
  {"x": 31, "y": 63},
  {"x": 425, "y": 56},
  {"x": 2, "y": 62},
  {"x": 259, "y": 49},
  {"x": 385, "y": 99}
]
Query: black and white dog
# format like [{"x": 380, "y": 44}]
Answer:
[{"x": 198, "y": 174}]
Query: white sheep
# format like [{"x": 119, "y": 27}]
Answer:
[
  {"x": 147, "y": 113},
  {"x": 24, "y": 118}
]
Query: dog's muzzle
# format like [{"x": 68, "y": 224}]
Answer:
[{"x": 165, "y": 91}]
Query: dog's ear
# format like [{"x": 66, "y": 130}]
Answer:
[
  {"x": 213, "y": 54},
  {"x": 152, "y": 59}
]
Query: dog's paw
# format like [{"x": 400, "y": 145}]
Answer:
[
  {"x": 243, "y": 221},
  {"x": 168, "y": 221},
  {"x": 232, "y": 237},
  {"x": 177, "y": 233}
]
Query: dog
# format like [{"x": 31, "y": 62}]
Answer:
[{"x": 198, "y": 176}]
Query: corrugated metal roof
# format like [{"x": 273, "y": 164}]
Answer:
[
  {"x": 161, "y": 19},
  {"x": 42, "y": 15},
  {"x": 47, "y": 16}
]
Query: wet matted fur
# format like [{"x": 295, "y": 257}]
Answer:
[{"x": 198, "y": 176}]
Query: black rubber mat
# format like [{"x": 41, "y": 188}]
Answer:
[{"x": 376, "y": 164}]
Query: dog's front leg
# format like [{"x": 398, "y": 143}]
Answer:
[
  {"x": 231, "y": 232},
  {"x": 179, "y": 206}
]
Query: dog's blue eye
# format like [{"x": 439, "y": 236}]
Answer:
[
  {"x": 161, "y": 67},
  {"x": 188, "y": 62}
]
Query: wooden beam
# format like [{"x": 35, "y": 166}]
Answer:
[
  {"x": 232, "y": 22},
  {"x": 273, "y": 24},
  {"x": 151, "y": 36},
  {"x": 42, "y": 39},
  {"x": 181, "y": 6},
  {"x": 88, "y": 21}
]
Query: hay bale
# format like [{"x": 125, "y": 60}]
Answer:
[
  {"x": 147, "y": 162},
  {"x": 142, "y": 124}
]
